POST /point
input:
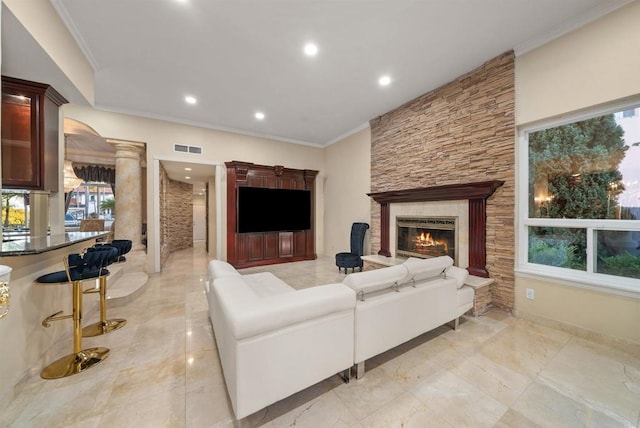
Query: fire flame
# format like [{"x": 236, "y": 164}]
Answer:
[{"x": 426, "y": 240}]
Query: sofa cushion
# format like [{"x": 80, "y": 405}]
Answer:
[
  {"x": 266, "y": 284},
  {"x": 221, "y": 269},
  {"x": 421, "y": 269},
  {"x": 459, "y": 274},
  {"x": 374, "y": 280}
]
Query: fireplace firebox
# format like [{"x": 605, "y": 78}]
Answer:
[{"x": 426, "y": 237}]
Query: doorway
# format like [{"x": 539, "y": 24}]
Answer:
[{"x": 198, "y": 180}]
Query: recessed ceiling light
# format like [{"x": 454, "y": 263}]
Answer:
[
  {"x": 188, "y": 178},
  {"x": 310, "y": 49},
  {"x": 190, "y": 99},
  {"x": 384, "y": 80},
  {"x": 187, "y": 169},
  {"x": 259, "y": 115}
]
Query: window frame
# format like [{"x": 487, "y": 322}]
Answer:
[{"x": 583, "y": 279}]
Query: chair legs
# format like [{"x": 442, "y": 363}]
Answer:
[
  {"x": 346, "y": 269},
  {"x": 81, "y": 359},
  {"x": 104, "y": 325}
]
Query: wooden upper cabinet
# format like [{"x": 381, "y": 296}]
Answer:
[{"x": 30, "y": 124}]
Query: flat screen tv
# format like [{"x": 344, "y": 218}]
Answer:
[{"x": 272, "y": 210}]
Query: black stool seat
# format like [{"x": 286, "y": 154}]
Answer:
[
  {"x": 80, "y": 268},
  {"x": 122, "y": 245}
]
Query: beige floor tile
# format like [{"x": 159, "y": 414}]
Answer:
[
  {"x": 524, "y": 347},
  {"x": 499, "y": 382},
  {"x": 546, "y": 407},
  {"x": 208, "y": 407},
  {"x": 326, "y": 410},
  {"x": 514, "y": 419},
  {"x": 203, "y": 371},
  {"x": 601, "y": 377},
  {"x": 404, "y": 411},
  {"x": 165, "y": 410},
  {"x": 147, "y": 381},
  {"x": 364, "y": 396},
  {"x": 458, "y": 402}
]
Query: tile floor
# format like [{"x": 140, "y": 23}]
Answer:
[{"x": 495, "y": 371}]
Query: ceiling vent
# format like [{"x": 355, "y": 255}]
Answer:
[{"x": 187, "y": 149}]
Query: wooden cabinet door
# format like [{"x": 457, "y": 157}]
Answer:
[{"x": 286, "y": 244}]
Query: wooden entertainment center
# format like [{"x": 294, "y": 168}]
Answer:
[{"x": 262, "y": 248}]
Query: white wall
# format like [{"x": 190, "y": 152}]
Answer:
[
  {"x": 346, "y": 180},
  {"x": 217, "y": 147},
  {"x": 594, "y": 65}
]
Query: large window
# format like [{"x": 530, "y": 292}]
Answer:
[
  {"x": 92, "y": 200},
  {"x": 579, "y": 203}
]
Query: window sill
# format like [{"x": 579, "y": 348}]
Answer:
[{"x": 595, "y": 282}]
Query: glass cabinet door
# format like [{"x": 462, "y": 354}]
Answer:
[{"x": 20, "y": 153}]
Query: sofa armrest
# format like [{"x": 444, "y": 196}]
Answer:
[
  {"x": 221, "y": 269},
  {"x": 251, "y": 317}
]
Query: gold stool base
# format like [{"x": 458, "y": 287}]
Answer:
[
  {"x": 74, "y": 363},
  {"x": 103, "y": 327}
]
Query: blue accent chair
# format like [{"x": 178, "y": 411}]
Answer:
[{"x": 353, "y": 259}]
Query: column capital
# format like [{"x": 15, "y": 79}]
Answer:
[{"x": 127, "y": 149}]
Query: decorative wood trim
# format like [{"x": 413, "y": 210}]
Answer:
[
  {"x": 448, "y": 192},
  {"x": 476, "y": 193},
  {"x": 384, "y": 226},
  {"x": 477, "y": 238}
]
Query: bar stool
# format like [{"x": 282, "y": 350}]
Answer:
[
  {"x": 78, "y": 268},
  {"x": 104, "y": 325},
  {"x": 122, "y": 245}
]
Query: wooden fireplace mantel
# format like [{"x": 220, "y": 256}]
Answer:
[{"x": 476, "y": 193}]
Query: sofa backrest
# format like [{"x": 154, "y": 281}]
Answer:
[
  {"x": 375, "y": 280},
  {"x": 413, "y": 271},
  {"x": 422, "y": 269}
]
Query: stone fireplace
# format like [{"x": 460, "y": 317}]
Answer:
[
  {"x": 426, "y": 237},
  {"x": 471, "y": 197}
]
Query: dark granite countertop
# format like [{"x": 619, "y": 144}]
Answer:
[{"x": 41, "y": 244}]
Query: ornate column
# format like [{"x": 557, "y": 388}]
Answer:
[{"x": 128, "y": 224}]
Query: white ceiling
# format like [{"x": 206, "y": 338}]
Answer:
[{"x": 242, "y": 56}]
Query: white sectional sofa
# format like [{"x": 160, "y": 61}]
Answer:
[
  {"x": 274, "y": 341},
  {"x": 398, "y": 303}
]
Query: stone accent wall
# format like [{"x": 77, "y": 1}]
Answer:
[
  {"x": 180, "y": 209},
  {"x": 176, "y": 215},
  {"x": 461, "y": 132}
]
